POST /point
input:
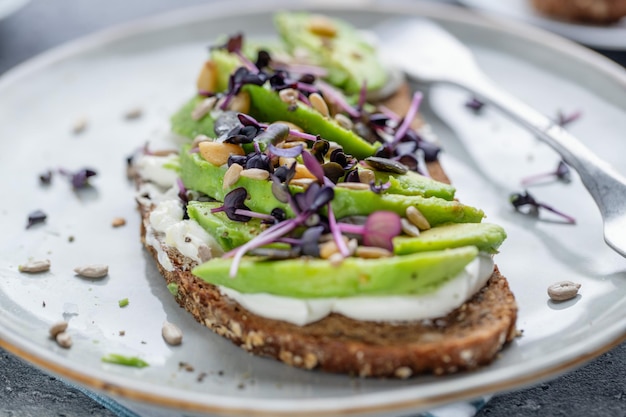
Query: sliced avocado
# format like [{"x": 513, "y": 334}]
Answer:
[
  {"x": 413, "y": 183},
  {"x": 225, "y": 64},
  {"x": 266, "y": 106},
  {"x": 184, "y": 125},
  {"x": 335, "y": 45},
  {"x": 228, "y": 233},
  {"x": 486, "y": 236},
  {"x": 198, "y": 174},
  {"x": 417, "y": 273}
]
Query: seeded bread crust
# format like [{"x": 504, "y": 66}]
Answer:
[{"x": 469, "y": 337}]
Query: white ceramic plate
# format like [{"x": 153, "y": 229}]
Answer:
[
  {"x": 609, "y": 36},
  {"x": 153, "y": 64}
]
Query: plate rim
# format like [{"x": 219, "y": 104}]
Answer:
[{"x": 114, "y": 384}]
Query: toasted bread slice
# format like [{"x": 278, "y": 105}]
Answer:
[{"x": 466, "y": 338}]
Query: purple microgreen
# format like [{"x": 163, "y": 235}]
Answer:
[
  {"x": 562, "y": 173},
  {"x": 307, "y": 88},
  {"x": 380, "y": 228},
  {"x": 259, "y": 160},
  {"x": 242, "y": 134},
  {"x": 285, "y": 152},
  {"x": 334, "y": 230},
  {"x": 525, "y": 200},
  {"x": 335, "y": 97},
  {"x": 285, "y": 174},
  {"x": 313, "y": 166},
  {"x": 234, "y": 43},
  {"x": 194, "y": 150},
  {"x": 352, "y": 176},
  {"x": 237, "y": 159},
  {"x": 302, "y": 135},
  {"x": 248, "y": 120},
  {"x": 362, "y": 96},
  {"x": 233, "y": 201},
  {"x": 45, "y": 178},
  {"x": 474, "y": 104},
  {"x": 182, "y": 191},
  {"x": 250, "y": 213},
  {"x": 565, "y": 119},
  {"x": 278, "y": 214},
  {"x": 309, "y": 243},
  {"x": 263, "y": 59},
  {"x": 36, "y": 217},
  {"x": 268, "y": 236},
  {"x": 380, "y": 187},
  {"x": 79, "y": 179},
  {"x": 410, "y": 115},
  {"x": 280, "y": 190},
  {"x": 389, "y": 113},
  {"x": 303, "y": 98}
]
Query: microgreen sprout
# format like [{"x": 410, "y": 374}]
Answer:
[
  {"x": 408, "y": 118},
  {"x": 475, "y": 104},
  {"x": 563, "y": 119},
  {"x": 562, "y": 173},
  {"x": 525, "y": 200},
  {"x": 36, "y": 217},
  {"x": 79, "y": 179},
  {"x": 380, "y": 187}
]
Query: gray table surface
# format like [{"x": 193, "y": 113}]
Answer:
[{"x": 597, "y": 389}]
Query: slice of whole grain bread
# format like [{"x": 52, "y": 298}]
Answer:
[{"x": 468, "y": 337}]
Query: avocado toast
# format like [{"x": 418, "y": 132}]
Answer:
[{"x": 306, "y": 222}]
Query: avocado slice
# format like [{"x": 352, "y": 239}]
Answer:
[
  {"x": 417, "y": 273},
  {"x": 266, "y": 106},
  {"x": 228, "y": 233},
  {"x": 335, "y": 45},
  {"x": 487, "y": 237},
  {"x": 198, "y": 174}
]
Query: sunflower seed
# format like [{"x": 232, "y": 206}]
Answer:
[
  {"x": 318, "y": 103},
  {"x": 33, "y": 267},
  {"x": 417, "y": 218},
  {"x": 563, "y": 290},
  {"x": 92, "y": 271},
  {"x": 57, "y": 328},
  {"x": 231, "y": 176},
  {"x": 64, "y": 340},
  {"x": 171, "y": 334}
]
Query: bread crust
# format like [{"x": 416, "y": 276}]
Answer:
[
  {"x": 593, "y": 11},
  {"x": 468, "y": 337}
]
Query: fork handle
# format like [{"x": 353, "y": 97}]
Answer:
[{"x": 604, "y": 183}]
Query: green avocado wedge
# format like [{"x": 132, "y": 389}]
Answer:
[
  {"x": 266, "y": 106},
  {"x": 418, "y": 273},
  {"x": 336, "y": 46},
  {"x": 487, "y": 237},
  {"x": 184, "y": 125},
  {"x": 228, "y": 233},
  {"x": 198, "y": 174}
]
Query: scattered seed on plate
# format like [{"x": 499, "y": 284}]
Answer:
[
  {"x": 563, "y": 290},
  {"x": 64, "y": 340},
  {"x": 57, "y": 328},
  {"x": 133, "y": 113},
  {"x": 80, "y": 125},
  {"x": 35, "y": 266},
  {"x": 171, "y": 333},
  {"x": 118, "y": 222},
  {"x": 92, "y": 271},
  {"x": 35, "y": 217}
]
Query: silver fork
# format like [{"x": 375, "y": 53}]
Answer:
[{"x": 427, "y": 53}]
